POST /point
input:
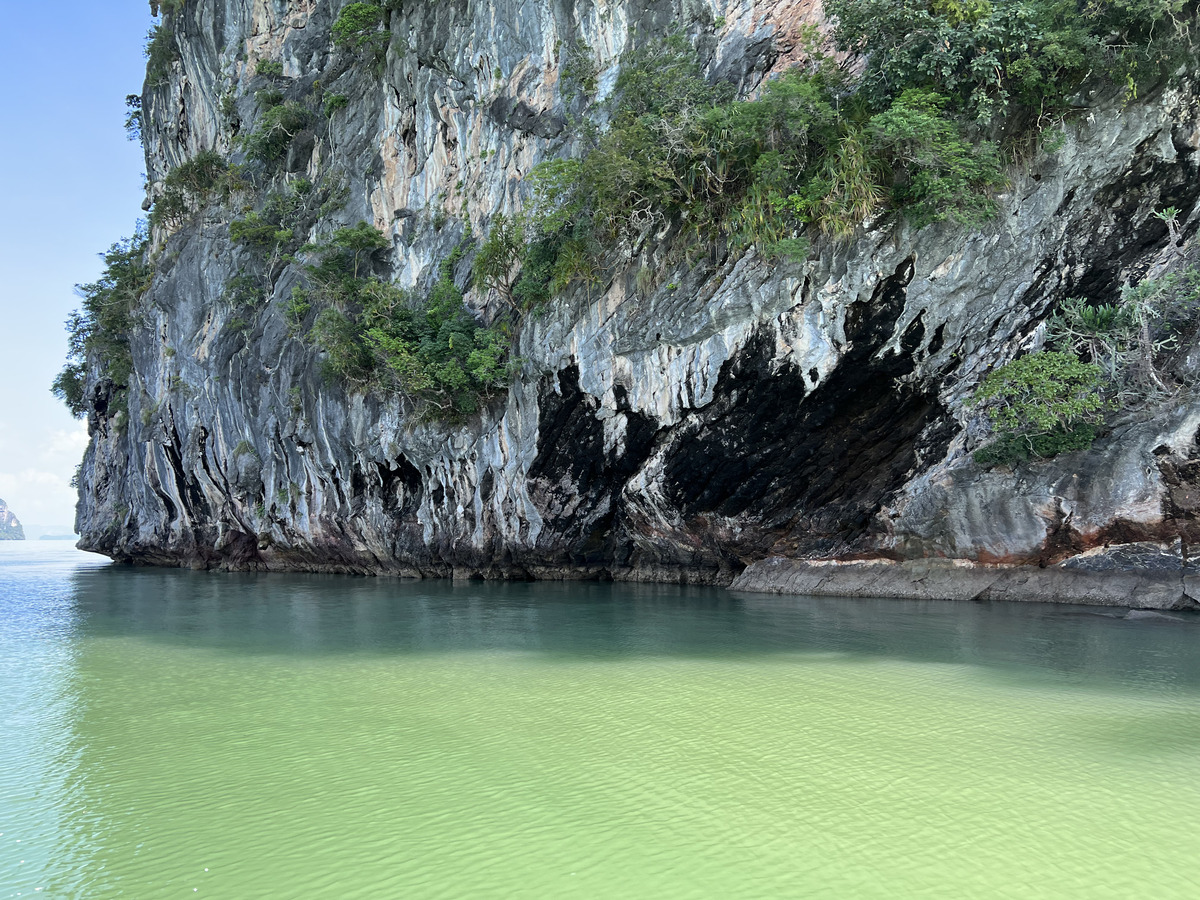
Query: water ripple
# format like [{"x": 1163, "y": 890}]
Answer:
[{"x": 172, "y": 734}]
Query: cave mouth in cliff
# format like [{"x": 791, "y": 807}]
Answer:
[{"x": 810, "y": 467}]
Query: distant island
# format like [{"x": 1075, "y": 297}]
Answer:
[{"x": 10, "y": 527}]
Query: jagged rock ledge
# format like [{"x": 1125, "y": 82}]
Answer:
[{"x": 927, "y": 579}]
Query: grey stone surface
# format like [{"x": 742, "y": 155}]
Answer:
[
  {"x": 733, "y": 410},
  {"x": 948, "y": 580}
]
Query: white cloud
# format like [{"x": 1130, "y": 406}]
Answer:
[
  {"x": 37, "y": 461},
  {"x": 35, "y": 495},
  {"x": 70, "y": 442}
]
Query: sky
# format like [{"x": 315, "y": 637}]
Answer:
[{"x": 72, "y": 185}]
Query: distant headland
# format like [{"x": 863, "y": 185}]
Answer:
[{"x": 10, "y": 527}]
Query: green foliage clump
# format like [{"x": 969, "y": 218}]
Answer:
[
  {"x": 191, "y": 185},
  {"x": 274, "y": 226},
  {"x": 1009, "y": 57},
  {"x": 348, "y": 256},
  {"x": 936, "y": 172},
  {"x": 243, "y": 289},
  {"x": 375, "y": 335},
  {"x": 133, "y": 118},
  {"x": 580, "y": 76},
  {"x": 270, "y": 68},
  {"x": 1010, "y": 448},
  {"x": 162, "y": 52},
  {"x": 1106, "y": 356},
  {"x": 1041, "y": 404},
  {"x": 70, "y": 384},
  {"x": 269, "y": 142},
  {"x": 357, "y": 24},
  {"x": 334, "y": 102},
  {"x": 275, "y": 232},
  {"x": 268, "y": 98},
  {"x": 913, "y": 122},
  {"x": 256, "y": 230},
  {"x": 801, "y": 154},
  {"x": 98, "y": 332},
  {"x": 1128, "y": 339},
  {"x": 679, "y": 151},
  {"x": 360, "y": 28},
  {"x": 526, "y": 265},
  {"x": 296, "y": 312},
  {"x": 1041, "y": 392}
]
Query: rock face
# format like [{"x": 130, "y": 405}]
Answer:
[
  {"x": 10, "y": 528},
  {"x": 735, "y": 411}
]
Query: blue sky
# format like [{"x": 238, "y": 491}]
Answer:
[{"x": 71, "y": 186}]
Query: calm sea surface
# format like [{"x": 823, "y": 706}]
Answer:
[{"x": 180, "y": 734}]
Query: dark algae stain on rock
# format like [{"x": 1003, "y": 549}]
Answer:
[
  {"x": 577, "y": 477},
  {"x": 810, "y": 467}
]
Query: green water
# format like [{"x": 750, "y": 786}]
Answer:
[{"x": 177, "y": 734}]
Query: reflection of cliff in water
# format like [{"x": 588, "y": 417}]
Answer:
[{"x": 249, "y": 613}]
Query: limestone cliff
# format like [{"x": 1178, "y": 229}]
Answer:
[
  {"x": 733, "y": 410},
  {"x": 10, "y": 528}
]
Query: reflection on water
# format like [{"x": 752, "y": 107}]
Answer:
[
  {"x": 175, "y": 733},
  {"x": 334, "y": 614}
]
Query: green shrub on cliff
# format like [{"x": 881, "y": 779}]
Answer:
[
  {"x": 526, "y": 264},
  {"x": 1011, "y": 448},
  {"x": 1101, "y": 357},
  {"x": 161, "y": 52},
  {"x": 913, "y": 121},
  {"x": 935, "y": 172},
  {"x": 1040, "y": 404},
  {"x": 679, "y": 151},
  {"x": 345, "y": 260},
  {"x": 133, "y": 118},
  {"x": 269, "y": 68},
  {"x": 361, "y": 28},
  {"x": 269, "y": 142},
  {"x": 1041, "y": 392},
  {"x": 268, "y": 98},
  {"x": 191, "y": 185},
  {"x": 256, "y": 231},
  {"x": 273, "y": 230},
  {"x": 333, "y": 102},
  {"x": 358, "y": 24},
  {"x": 377, "y": 336},
  {"x": 1132, "y": 338},
  {"x": 1020, "y": 58},
  {"x": 1105, "y": 356},
  {"x": 98, "y": 332}
]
